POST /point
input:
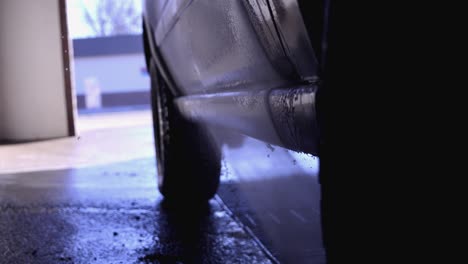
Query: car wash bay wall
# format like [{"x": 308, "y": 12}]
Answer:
[{"x": 34, "y": 100}]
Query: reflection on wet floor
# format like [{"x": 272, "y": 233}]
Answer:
[
  {"x": 275, "y": 192},
  {"x": 108, "y": 210}
]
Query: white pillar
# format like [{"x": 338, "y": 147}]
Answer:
[{"x": 33, "y": 102}]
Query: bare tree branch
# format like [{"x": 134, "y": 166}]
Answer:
[
  {"x": 89, "y": 19},
  {"x": 114, "y": 17}
]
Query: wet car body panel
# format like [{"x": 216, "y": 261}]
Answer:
[
  {"x": 253, "y": 45},
  {"x": 258, "y": 50},
  {"x": 280, "y": 116}
]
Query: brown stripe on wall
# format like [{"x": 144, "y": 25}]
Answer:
[{"x": 69, "y": 96}]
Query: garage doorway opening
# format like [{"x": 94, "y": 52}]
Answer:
[
  {"x": 108, "y": 65},
  {"x": 110, "y": 80}
]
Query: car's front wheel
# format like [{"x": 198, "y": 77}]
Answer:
[{"x": 188, "y": 160}]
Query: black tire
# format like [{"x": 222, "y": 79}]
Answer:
[{"x": 188, "y": 159}]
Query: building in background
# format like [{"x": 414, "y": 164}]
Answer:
[{"x": 110, "y": 72}]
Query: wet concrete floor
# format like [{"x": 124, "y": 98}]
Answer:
[
  {"x": 112, "y": 214},
  {"x": 93, "y": 199}
]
